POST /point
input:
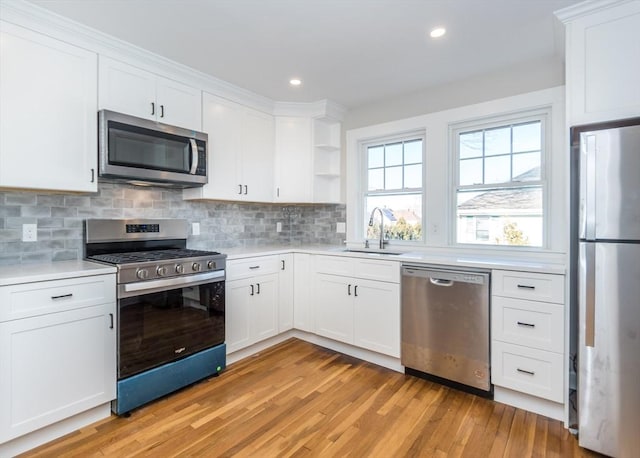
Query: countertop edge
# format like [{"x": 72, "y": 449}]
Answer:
[{"x": 60, "y": 270}]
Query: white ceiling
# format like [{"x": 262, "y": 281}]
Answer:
[{"x": 350, "y": 51}]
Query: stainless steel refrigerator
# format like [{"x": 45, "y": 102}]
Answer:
[{"x": 606, "y": 209}]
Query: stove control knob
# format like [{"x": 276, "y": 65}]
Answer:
[
  {"x": 161, "y": 271},
  {"x": 196, "y": 266},
  {"x": 211, "y": 265},
  {"x": 179, "y": 268},
  {"x": 142, "y": 274}
]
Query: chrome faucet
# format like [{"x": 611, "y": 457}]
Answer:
[{"x": 382, "y": 241}]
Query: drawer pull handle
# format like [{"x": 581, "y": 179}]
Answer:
[
  {"x": 525, "y": 372},
  {"x": 254, "y": 267},
  {"x": 62, "y": 296},
  {"x": 528, "y": 325},
  {"x": 526, "y": 287}
]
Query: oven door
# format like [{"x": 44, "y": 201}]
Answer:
[{"x": 159, "y": 324}]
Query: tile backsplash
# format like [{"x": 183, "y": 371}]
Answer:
[{"x": 222, "y": 224}]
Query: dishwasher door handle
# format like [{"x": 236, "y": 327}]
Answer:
[{"x": 440, "y": 282}]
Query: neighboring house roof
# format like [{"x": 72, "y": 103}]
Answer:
[
  {"x": 408, "y": 215},
  {"x": 514, "y": 199}
]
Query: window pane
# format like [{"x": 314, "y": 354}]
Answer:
[
  {"x": 497, "y": 169},
  {"x": 413, "y": 152},
  {"x": 497, "y": 141},
  {"x": 413, "y": 176},
  {"x": 471, "y": 145},
  {"x": 393, "y": 154},
  {"x": 376, "y": 180},
  {"x": 526, "y": 167},
  {"x": 527, "y": 137},
  {"x": 503, "y": 217},
  {"x": 376, "y": 156},
  {"x": 402, "y": 217},
  {"x": 393, "y": 177},
  {"x": 470, "y": 172}
]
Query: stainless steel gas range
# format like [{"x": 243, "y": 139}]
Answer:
[{"x": 171, "y": 306}]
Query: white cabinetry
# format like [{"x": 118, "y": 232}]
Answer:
[
  {"x": 251, "y": 301},
  {"x": 603, "y": 61},
  {"x": 285, "y": 292},
  {"x": 293, "y": 160},
  {"x": 48, "y": 113},
  {"x": 57, "y": 351},
  {"x": 326, "y": 161},
  {"x": 303, "y": 316},
  {"x": 131, "y": 90},
  {"x": 357, "y": 301},
  {"x": 241, "y": 145},
  {"x": 527, "y": 313}
]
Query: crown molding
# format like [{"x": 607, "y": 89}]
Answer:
[
  {"x": 322, "y": 109},
  {"x": 578, "y": 10}
]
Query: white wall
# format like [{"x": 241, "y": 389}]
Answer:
[
  {"x": 438, "y": 177},
  {"x": 528, "y": 77}
]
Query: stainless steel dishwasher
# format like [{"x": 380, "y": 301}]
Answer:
[{"x": 445, "y": 326}]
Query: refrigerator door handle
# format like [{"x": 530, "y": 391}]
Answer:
[
  {"x": 588, "y": 145},
  {"x": 588, "y": 279}
]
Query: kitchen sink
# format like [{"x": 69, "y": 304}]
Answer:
[{"x": 370, "y": 251}]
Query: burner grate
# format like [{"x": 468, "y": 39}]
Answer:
[{"x": 145, "y": 256}]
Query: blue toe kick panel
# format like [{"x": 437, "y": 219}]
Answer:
[{"x": 139, "y": 389}]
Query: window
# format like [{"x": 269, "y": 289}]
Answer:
[
  {"x": 393, "y": 183},
  {"x": 500, "y": 182}
]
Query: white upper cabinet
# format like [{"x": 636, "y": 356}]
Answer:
[
  {"x": 293, "y": 161},
  {"x": 603, "y": 61},
  {"x": 241, "y": 143},
  {"x": 48, "y": 113},
  {"x": 131, "y": 90}
]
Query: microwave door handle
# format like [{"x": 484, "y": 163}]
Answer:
[{"x": 194, "y": 156}]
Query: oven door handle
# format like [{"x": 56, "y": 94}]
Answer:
[{"x": 169, "y": 282}]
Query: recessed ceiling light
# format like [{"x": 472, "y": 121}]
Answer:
[
  {"x": 438, "y": 32},
  {"x": 295, "y": 82}
]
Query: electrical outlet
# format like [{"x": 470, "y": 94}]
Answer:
[
  {"x": 341, "y": 228},
  {"x": 29, "y": 232},
  {"x": 195, "y": 228},
  {"x": 278, "y": 226}
]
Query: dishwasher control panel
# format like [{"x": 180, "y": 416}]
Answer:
[{"x": 446, "y": 275}]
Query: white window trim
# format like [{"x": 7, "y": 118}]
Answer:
[
  {"x": 363, "y": 181},
  {"x": 540, "y": 113}
]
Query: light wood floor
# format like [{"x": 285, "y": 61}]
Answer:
[{"x": 302, "y": 400}]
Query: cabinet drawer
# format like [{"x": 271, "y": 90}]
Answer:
[
  {"x": 527, "y": 285},
  {"x": 534, "y": 324},
  {"x": 31, "y": 299},
  {"x": 243, "y": 268},
  {"x": 535, "y": 372}
]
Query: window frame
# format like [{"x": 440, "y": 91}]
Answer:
[
  {"x": 543, "y": 115},
  {"x": 363, "y": 147}
]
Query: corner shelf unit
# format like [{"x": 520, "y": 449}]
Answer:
[{"x": 326, "y": 160}]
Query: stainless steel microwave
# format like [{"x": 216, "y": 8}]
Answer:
[{"x": 140, "y": 151}]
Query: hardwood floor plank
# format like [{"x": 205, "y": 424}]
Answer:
[{"x": 300, "y": 400}]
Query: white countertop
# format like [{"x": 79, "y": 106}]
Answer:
[
  {"x": 29, "y": 273},
  {"x": 518, "y": 263}
]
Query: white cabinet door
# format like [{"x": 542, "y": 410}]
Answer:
[
  {"x": 257, "y": 156},
  {"x": 127, "y": 89},
  {"x": 293, "y": 160},
  {"x": 285, "y": 293},
  {"x": 303, "y": 302},
  {"x": 48, "y": 132},
  {"x": 178, "y": 104},
  {"x": 264, "y": 307},
  {"x": 238, "y": 314},
  {"x": 603, "y": 64},
  {"x": 333, "y": 304},
  {"x": 55, "y": 366},
  {"x": 377, "y": 316}
]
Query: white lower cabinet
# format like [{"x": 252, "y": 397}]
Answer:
[
  {"x": 527, "y": 322},
  {"x": 58, "y": 358},
  {"x": 285, "y": 292},
  {"x": 303, "y": 312},
  {"x": 356, "y": 310},
  {"x": 251, "y": 301}
]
